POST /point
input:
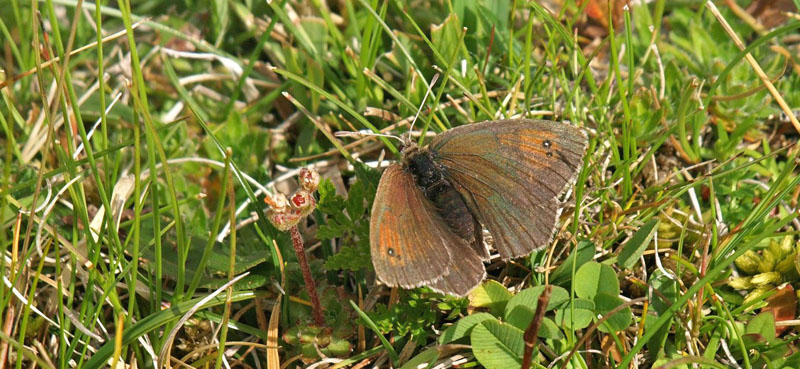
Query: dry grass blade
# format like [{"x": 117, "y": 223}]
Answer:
[
  {"x": 754, "y": 64},
  {"x": 273, "y": 355},
  {"x": 56, "y": 59}
]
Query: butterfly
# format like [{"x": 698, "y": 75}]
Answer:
[{"x": 426, "y": 225}]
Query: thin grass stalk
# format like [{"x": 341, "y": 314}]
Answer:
[
  {"x": 220, "y": 209},
  {"x": 80, "y": 198},
  {"x": 526, "y": 62},
  {"x": 138, "y": 206},
  {"x": 120, "y": 329},
  {"x": 440, "y": 92},
  {"x": 683, "y": 113},
  {"x": 251, "y": 62},
  {"x": 627, "y": 184},
  {"x": 26, "y": 310},
  {"x": 264, "y": 226},
  {"x": 154, "y": 146},
  {"x": 101, "y": 82},
  {"x": 223, "y": 334}
]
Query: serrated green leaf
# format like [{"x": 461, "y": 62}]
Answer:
[
  {"x": 351, "y": 258},
  {"x": 634, "y": 248},
  {"x": 355, "y": 201},
  {"x": 249, "y": 254},
  {"x": 364, "y": 317},
  {"x": 331, "y": 230},
  {"x": 329, "y": 202},
  {"x": 497, "y": 345},
  {"x": 369, "y": 177},
  {"x": 463, "y": 327},
  {"x": 346, "y": 219}
]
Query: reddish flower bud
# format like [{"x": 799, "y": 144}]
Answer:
[
  {"x": 299, "y": 199},
  {"x": 286, "y": 213},
  {"x": 277, "y": 202},
  {"x": 309, "y": 179}
]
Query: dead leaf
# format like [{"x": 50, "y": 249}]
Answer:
[
  {"x": 783, "y": 305},
  {"x": 771, "y": 13},
  {"x": 598, "y": 11},
  {"x": 610, "y": 348}
]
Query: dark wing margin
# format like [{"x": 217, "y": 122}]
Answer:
[
  {"x": 466, "y": 273},
  {"x": 511, "y": 174}
]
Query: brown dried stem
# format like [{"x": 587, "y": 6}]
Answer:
[
  {"x": 316, "y": 307},
  {"x": 532, "y": 333}
]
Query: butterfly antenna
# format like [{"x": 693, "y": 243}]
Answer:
[
  {"x": 428, "y": 92},
  {"x": 360, "y": 134}
]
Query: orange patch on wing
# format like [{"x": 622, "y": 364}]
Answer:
[
  {"x": 388, "y": 238},
  {"x": 533, "y": 146}
]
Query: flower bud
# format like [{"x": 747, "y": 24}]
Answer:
[
  {"x": 740, "y": 283},
  {"x": 764, "y": 279},
  {"x": 767, "y": 262},
  {"x": 786, "y": 265},
  {"x": 277, "y": 203},
  {"x": 756, "y": 294},
  {"x": 748, "y": 262},
  {"x": 309, "y": 179}
]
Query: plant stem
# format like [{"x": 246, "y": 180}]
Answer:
[
  {"x": 316, "y": 307},
  {"x": 532, "y": 333}
]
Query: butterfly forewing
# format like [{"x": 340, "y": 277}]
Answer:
[
  {"x": 511, "y": 173},
  {"x": 410, "y": 244}
]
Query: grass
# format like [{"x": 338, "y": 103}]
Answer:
[{"x": 678, "y": 246}]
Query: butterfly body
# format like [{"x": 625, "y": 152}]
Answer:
[
  {"x": 431, "y": 178},
  {"x": 506, "y": 176}
]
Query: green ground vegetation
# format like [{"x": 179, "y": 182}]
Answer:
[{"x": 139, "y": 139}]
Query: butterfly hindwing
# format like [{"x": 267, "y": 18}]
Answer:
[
  {"x": 410, "y": 244},
  {"x": 465, "y": 273},
  {"x": 511, "y": 174}
]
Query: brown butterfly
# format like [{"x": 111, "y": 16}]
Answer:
[{"x": 506, "y": 176}]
